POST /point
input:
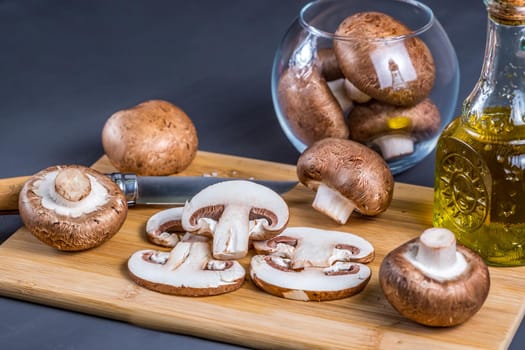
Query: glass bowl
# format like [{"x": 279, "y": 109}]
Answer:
[{"x": 381, "y": 72}]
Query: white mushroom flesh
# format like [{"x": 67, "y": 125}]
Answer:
[
  {"x": 394, "y": 145},
  {"x": 354, "y": 93},
  {"x": 189, "y": 265},
  {"x": 235, "y": 212},
  {"x": 338, "y": 90},
  {"x": 159, "y": 227},
  {"x": 436, "y": 255},
  {"x": 333, "y": 204},
  {"x": 45, "y": 188}
]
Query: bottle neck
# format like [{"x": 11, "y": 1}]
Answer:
[{"x": 501, "y": 87}]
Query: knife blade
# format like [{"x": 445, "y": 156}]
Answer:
[{"x": 143, "y": 190}]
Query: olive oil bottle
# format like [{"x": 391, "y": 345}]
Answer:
[{"x": 480, "y": 156}]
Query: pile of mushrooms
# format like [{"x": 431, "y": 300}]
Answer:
[
  {"x": 373, "y": 74},
  {"x": 72, "y": 207},
  {"x": 433, "y": 281}
]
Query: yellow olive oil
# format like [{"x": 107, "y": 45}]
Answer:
[{"x": 480, "y": 184}]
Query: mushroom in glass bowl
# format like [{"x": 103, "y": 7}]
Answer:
[{"x": 391, "y": 51}]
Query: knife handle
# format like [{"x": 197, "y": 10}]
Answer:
[{"x": 9, "y": 191}]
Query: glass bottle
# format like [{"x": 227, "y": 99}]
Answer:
[{"x": 480, "y": 156}]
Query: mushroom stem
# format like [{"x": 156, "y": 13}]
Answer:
[
  {"x": 395, "y": 145},
  {"x": 331, "y": 203},
  {"x": 231, "y": 236},
  {"x": 72, "y": 184},
  {"x": 338, "y": 90}
]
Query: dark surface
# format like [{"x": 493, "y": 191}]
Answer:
[{"x": 65, "y": 67}]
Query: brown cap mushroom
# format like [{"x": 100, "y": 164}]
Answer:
[
  {"x": 346, "y": 175},
  {"x": 187, "y": 270},
  {"x": 304, "y": 263},
  {"x": 432, "y": 281},
  {"x": 380, "y": 57},
  {"x": 233, "y": 212},
  {"x": 152, "y": 138},
  {"x": 393, "y": 129},
  {"x": 328, "y": 64},
  {"x": 72, "y": 207}
]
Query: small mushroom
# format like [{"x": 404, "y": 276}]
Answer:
[
  {"x": 188, "y": 270},
  {"x": 72, "y": 207},
  {"x": 304, "y": 263},
  {"x": 152, "y": 138},
  {"x": 433, "y": 281},
  {"x": 310, "y": 107},
  {"x": 346, "y": 175},
  {"x": 393, "y": 129},
  {"x": 164, "y": 228},
  {"x": 380, "y": 57},
  {"x": 233, "y": 212}
]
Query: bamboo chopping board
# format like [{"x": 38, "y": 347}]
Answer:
[{"x": 96, "y": 282}]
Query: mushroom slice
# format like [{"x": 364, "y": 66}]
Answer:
[
  {"x": 234, "y": 212},
  {"x": 304, "y": 263},
  {"x": 188, "y": 270},
  {"x": 164, "y": 228},
  {"x": 346, "y": 175},
  {"x": 72, "y": 207},
  {"x": 433, "y": 281},
  {"x": 394, "y": 130}
]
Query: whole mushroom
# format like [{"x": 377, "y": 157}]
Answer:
[
  {"x": 72, "y": 207},
  {"x": 346, "y": 175},
  {"x": 393, "y": 129},
  {"x": 152, "y": 138},
  {"x": 380, "y": 57},
  {"x": 233, "y": 213},
  {"x": 433, "y": 281}
]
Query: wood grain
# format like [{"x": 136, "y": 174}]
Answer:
[{"x": 96, "y": 282}]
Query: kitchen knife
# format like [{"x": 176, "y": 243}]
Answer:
[{"x": 143, "y": 190}]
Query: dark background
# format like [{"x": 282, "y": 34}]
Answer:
[{"x": 66, "y": 66}]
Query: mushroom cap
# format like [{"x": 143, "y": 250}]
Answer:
[
  {"x": 304, "y": 263},
  {"x": 375, "y": 119},
  {"x": 350, "y": 168},
  {"x": 397, "y": 71},
  {"x": 72, "y": 225},
  {"x": 188, "y": 270},
  {"x": 152, "y": 138},
  {"x": 312, "y": 111},
  {"x": 328, "y": 64},
  {"x": 428, "y": 300}
]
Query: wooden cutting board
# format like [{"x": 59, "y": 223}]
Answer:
[{"x": 96, "y": 282}]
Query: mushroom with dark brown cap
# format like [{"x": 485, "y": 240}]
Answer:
[
  {"x": 188, "y": 270},
  {"x": 72, "y": 207},
  {"x": 233, "y": 213},
  {"x": 304, "y": 263},
  {"x": 393, "y": 130},
  {"x": 346, "y": 175},
  {"x": 152, "y": 138},
  {"x": 379, "y": 61},
  {"x": 433, "y": 281},
  {"x": 328, "y": 64}
]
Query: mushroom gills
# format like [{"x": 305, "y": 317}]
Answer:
[{"x": 333, "y": 204}]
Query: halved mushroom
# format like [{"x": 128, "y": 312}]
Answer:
[
  {"x": 164, "y": 228},
  {"x": 432, "y": 281},
  {"x": 233, "y": 212},
  {"x": 72, "y": 207},
  {"x": 187, "y": 270},
  {"x": 394, "y": 130},
  {"x": 378, "y": 60},
  {"x": 346, "y": 175},
  {"x": 304, "y": 263}
]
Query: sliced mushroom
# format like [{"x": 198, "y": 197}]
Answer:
[
  {"x": 187, "y": 270},
  {"x": 432, "y": 281},
  {"x": 346, "y": 175},
  {"x": 151, "y": 138},
  {"x": 394, "y": 130},
  {"x": 375, "y": 57},
  {"x": 72, "y": 207},
  {"x": 233, "y": 212},
  {"x": 311, "y": 264},
  {"x": 164, "y": 228}
]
